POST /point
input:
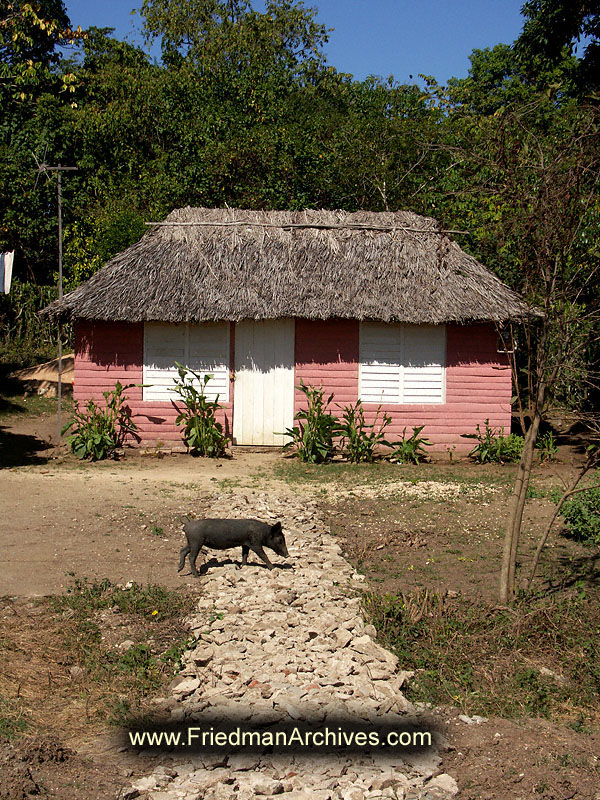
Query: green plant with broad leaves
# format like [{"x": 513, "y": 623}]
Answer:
[
  {"x": 99, "y": 432},
  {"x": 202, "y": 432},
  {"x": 581, "y": 513},
  {"x": 317, "y": 427},
  {"x": 359, "y": 438},
  {"x": 410, "y": 450},
  {"x": 493, "y": 446}
]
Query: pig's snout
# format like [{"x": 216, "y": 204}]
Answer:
[{"x": 280, "y": 548}]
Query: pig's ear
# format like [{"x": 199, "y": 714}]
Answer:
[{"x": 276, "y": 528}]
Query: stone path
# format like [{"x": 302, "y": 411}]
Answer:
[{"x": 284, "y": 646}]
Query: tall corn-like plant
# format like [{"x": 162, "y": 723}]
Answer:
[
  {"x": 317, "y": 427},
  {"x": 203, "y": 433},
  {"x": 411, "y": 450},
  {"x": 359, "y": 438},
  {"x": 493, "y": 446}
]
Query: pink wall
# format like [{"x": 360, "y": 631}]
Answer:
[
  {"x": 478, "y": 379},
  {"x": 327, "y": 356},
  {"x": 107, "y": 352}
]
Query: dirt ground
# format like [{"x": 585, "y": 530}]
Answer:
[
  {"x": 456, "y": 543},
  {"x": 122, "y": 521}
]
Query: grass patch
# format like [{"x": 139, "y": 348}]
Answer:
[
  {"x": 149, "y": 617},
  {"x": 345, "y": 475},
  {"x": 85, "y": 597},
  {"x": 12, "y": 719},
  {"x": 541, "y": 658},
  {"x": 13, "y": 403},
  {"x": 229, "y": 483},
  {"x": 539, "y": 493}
]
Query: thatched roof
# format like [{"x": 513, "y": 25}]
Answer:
[{"x": 228, "y": 264}]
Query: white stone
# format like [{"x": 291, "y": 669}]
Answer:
[
  {"x": 184, "y": 686},
  {"x": 182, "y": 770},
  {"x": 243, "y": 761},
  {"x": 145, "y": 784},
  {"x": 353, "y": 793},
  {"x": 261, "y": 784},
  {"x": 444, "y": 782},
  {"x": 342, "y": 637},
  {"x": 202, "y": 779}
]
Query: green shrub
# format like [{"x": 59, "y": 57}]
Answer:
[
  {"x": 359, "y": 438},
  {"x": 139, "y": 661},
  {"x": 411, "y": 450},
  {"x": 26, "y": 338},
  {"x": 202, "y": 433},
  {"x": 493, "y": 446},
  {"x": 510, "y": 448},
  {"x": 98, "y": 433},
  {"x": 581, "y": 513},
  {"x": 313, "y": 436}
]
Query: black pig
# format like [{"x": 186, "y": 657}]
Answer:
[{"x": 221, "y": 534}]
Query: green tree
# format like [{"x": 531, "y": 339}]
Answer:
[
  {"x": 35, "y": 87},
  {"x": 534, "y": 170},
  {"x": 498, "y": 80},
  {"x": 29, "y": 35},
  {"x": 550, "y": 32},
  {"x": 232, "y": 38}
]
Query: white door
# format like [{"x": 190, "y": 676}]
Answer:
[{"x": 264, "y": 381}]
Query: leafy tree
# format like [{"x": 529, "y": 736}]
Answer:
[
  {"x": 232, "y": 38},
  {"x": 552, "y": 27},
  {"x": 534, "y": 170},
  {"x": 497, "y": 80},
  {"x": 29, "y": 35},
  {"x": 34, "y": 89}
]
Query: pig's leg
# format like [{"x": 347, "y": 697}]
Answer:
[
  {"x": 261, "y": 553},
  {"x": 183, "y": 553},
  {"x": 245, "y": 551},
  {"x": 194, "y": 550}
]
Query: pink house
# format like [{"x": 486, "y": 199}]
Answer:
[{"x": 384, "y": 307}]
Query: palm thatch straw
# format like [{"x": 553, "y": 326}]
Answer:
[{"x": 204, "y": 265}]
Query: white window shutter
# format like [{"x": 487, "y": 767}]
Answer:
[
  {"x": 203, "y": 348},
  {"x": 208, "y": 354},
  {"x": 402, "y": 364},
  {"x": 424, "y": 364},
  {"x": 163, "y": 345},
  {"x": 380, "y": 356}
]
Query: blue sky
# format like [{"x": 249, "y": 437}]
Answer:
[{"x": 372, "y": 37}]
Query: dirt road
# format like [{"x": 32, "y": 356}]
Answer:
[{"x": 106, "y": 520}]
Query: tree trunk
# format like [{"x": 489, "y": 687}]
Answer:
[{"x": 517, "y": 504}]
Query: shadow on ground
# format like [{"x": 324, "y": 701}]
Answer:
[
  {"x": 582, "y": 569},
  {"x": 19, "y": 450},
  {"x": 10, "y": 388}
]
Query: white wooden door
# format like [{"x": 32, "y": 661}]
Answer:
[{"x": 264, "y": 381}]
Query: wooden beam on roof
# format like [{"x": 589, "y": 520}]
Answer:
[{"x": 356, "y": 226}]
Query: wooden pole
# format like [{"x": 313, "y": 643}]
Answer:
[
  {"x": 60, "y": 296},
  {"x": 59, "y": 169}
]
